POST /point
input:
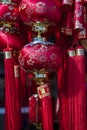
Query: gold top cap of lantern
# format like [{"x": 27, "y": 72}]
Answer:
[{"x": 40, "y": 27}]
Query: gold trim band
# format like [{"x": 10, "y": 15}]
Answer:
[
  {"x": 8, "y": 54},
  {"x": 80, "y": 52},
  {"x": 71, "y": 53}
]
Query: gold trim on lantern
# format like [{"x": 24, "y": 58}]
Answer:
[
  {"x": 8, "y": 54},
  {"x": 71, "y": 53},
  {"x": 43, "y": 91},
  {"x": 40, "y": 28},
  {"x": 80, "y": 52},
  {"x": 16, "y": 71}
]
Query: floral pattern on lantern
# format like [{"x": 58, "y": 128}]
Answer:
[
  {"x": 43, "y": 11},
  {"x": 40, "y": 56}
]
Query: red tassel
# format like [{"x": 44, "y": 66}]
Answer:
[
  {"x": 23, "y": 92},
  {"x": 34, "y": 110},
  {"x": 80, "y": 91},
  {"x": 31, "y": 85},
  {"x": 45, "y": 97},
  {"x": 62, "y": 85},
  {"x": 76, "y": 91},
  {"x": 10, "y": 115},
  {"x": 17, "y": 97},
  {"x": 70, "y": 86}
]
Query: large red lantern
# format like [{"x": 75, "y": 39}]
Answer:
[
  {"x": 39, "y": 55},
  {"x": 36, "y": 10}
]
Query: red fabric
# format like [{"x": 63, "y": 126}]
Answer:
[
  {"x": 13, "y": 40},
  {"x": 79, "y": 15},
  {"x": 70, "y": 90},
  {"x": 40, "y": 56},
  {"x": 34, "y": 109},
  {"x": 17, "y": 97},
  {"x": 29, "y": 36},
  {"x": 46, "y": 106},
  {"x": 62, "y": 83},
  {"x": 10, "y": 113},
  {"x": 41, "y": 11},
  {"x": 23, "y": 92},
  {"x": 80, "y": 93}
]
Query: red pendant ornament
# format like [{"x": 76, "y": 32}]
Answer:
[{"x": 41, "y": 57}]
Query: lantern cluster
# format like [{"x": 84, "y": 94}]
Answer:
[{"x": 27, "y": 26}]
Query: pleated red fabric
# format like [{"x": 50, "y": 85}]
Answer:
[
  {"x": 80, "y": 91},
  {"x": 70, "y": 88},
  {"x": 23, "y": 91},
  {"x": 62, "y": 85},
  {"x": 10, "y": 113},
  {"x": 17, "y": 97},
  {"x": 12, "y": 120},
  {"x": 46, "y": 104}
]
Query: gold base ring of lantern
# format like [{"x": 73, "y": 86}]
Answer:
[{"x": 40, "y": 77}]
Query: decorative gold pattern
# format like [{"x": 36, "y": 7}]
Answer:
[
  {"x": 43, "y": 91},
  {"x": 16, "y": 71}
]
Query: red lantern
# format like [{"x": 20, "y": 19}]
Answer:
[
  {"x": 35, "y": 10},
  {"x": 9, "y": 27},
  {"x": 9, "y": 12},
  {"x": 40, "y": 54}
]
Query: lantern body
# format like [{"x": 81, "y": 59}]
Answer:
[
  {"x": 37, "y": 10},
  {"x": 10, "y": 27},
  {"x": 39, "y": 55},
  {"x": 9, "y": 12}
]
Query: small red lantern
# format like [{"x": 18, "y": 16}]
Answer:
[{"x": 9, "y": 26}]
